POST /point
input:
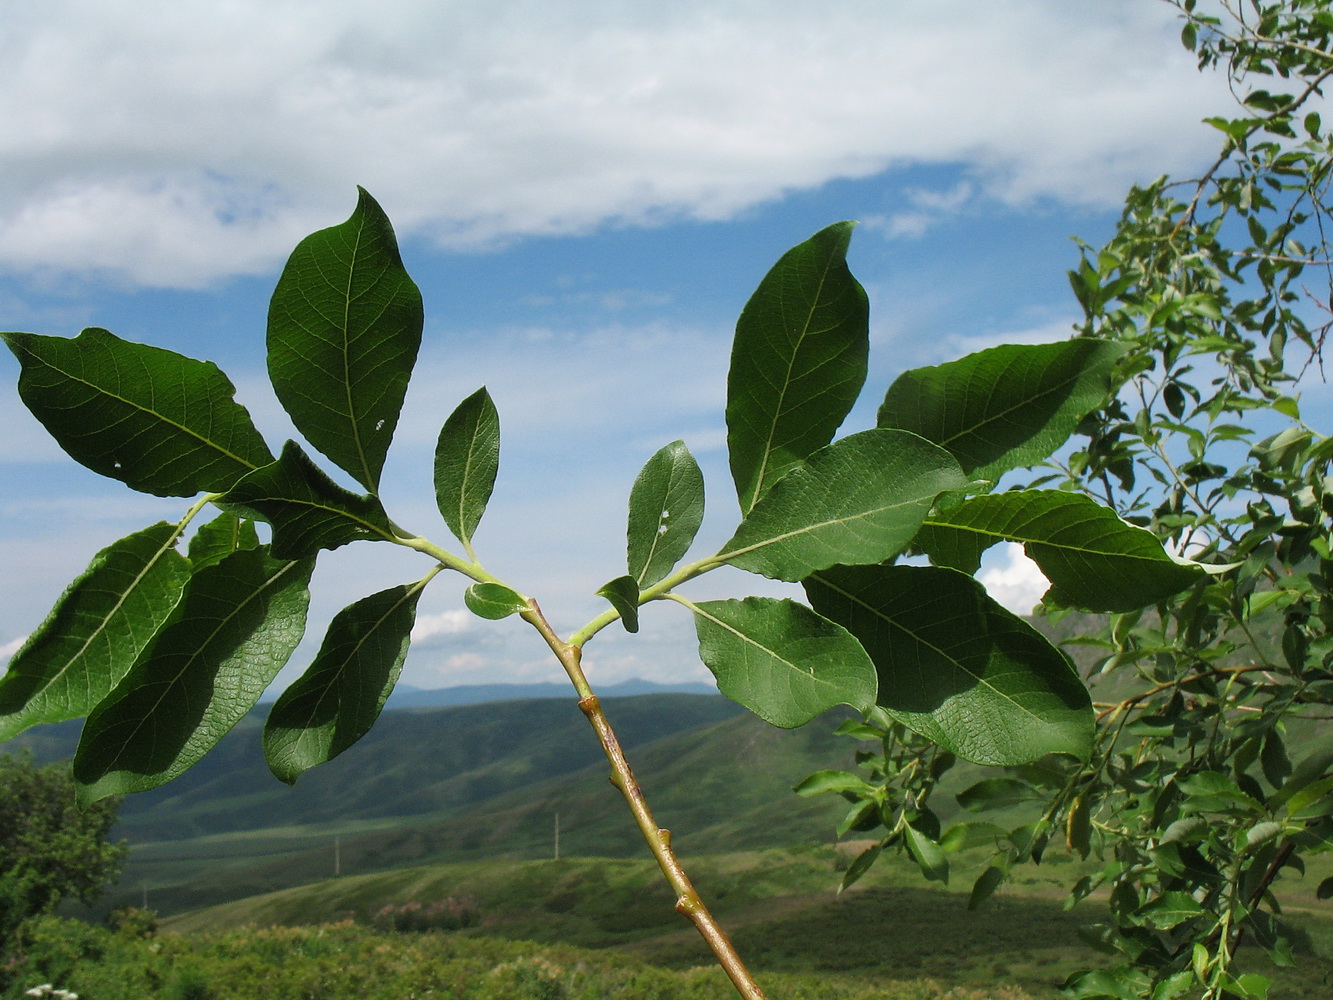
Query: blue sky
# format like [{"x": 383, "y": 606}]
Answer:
[{"x": 586, "y": 193}]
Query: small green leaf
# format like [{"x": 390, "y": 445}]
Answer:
[
  {"x": 493, "y": 601},
  {"x": 997, "y": 793},
  {"x": 341, "y": 695},
  {"x": 1171, "y": 909},
  {"x": 859, "y": 500},
  {"x": 1006, "y": 407},
  {"x": 157, "y": 421},
  {"x": 1094, "y": 560},
  {"x": 957, "y": 667},
  {"x": 1325, "y": 889},
  {"x": 833, "y": 781},
  {"x": 927, "y": 854},
  {"x": 307, "y": 509},
  {"x": 467, "y": 459},
  {"x": 219, "y": 538},
  {"x": 235, "y": 627},
  {"x": 96, "y": 631},
  {"x": 623, "y": 593},
  {"x": 666, "y": 507},
  {"x": 862, "y": 864},
  {"x": 984, "y": 887},
  {"x": 781, "y": 660},
  {"x": 344, "y": 328},
  {"x": 797, "y": 363}
]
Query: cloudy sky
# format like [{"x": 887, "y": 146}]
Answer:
[{"x": 587, "y": 192}]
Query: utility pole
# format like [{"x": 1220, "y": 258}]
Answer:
[
  {"x": 557, "y": 836},
  {"x": 337, "y": 856}
]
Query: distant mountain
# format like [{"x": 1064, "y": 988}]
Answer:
[{"x": 406, "y": 696}]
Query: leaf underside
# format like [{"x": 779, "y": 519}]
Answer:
[
  {"x": 467, "y": 460},
  {"x": 666, "y": 507}
]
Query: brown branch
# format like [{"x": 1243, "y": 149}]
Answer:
[{"x": 1120, "y": 706}]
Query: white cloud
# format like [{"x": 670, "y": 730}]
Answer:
[
  {"x": 1016, "y": 582},
  {"x": 174, "y": 143},
  {"x": 450, "y": 622},
  {"x": 10, "y": 648}
]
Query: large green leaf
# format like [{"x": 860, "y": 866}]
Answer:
[
  {"x": 307, "y": 509},
  {"x": 220, "y": 537},
  {"x": 957, "y": 667},
  {"x": 467, "y": 459},
  {"x": 797, "y": 363},
  {"x": 780, "y": 660},
  {"x": 341, "y": 695},
  {"x": 858, "y": 500},
  {"x": 96, "y": 631},
  {"x": 233, "y": 630},
  {"x": 1093, "y": 559},
  {"x": 158, "y": 421},
  {"x": 666, "y": 507},
  {"x": 1005, "y": 407},
  {"x": 344, "y": 327}
]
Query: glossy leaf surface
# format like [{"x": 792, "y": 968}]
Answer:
[
  {"x": 623, "y": 595},
  {"x": 307, "y": 509},
  {"x": 859, "y": 500},
  {"x": 1006, "y": 407},
  {"x": 493, "y": 601},
  {"x": 467, "y": 459},
  {"x": 955, "y": 666},
  {"x": 344, "y": 328},
  {"x": 780, "y": 660},
  {"x": 341, "y": 694},
  {"x": 666, "y": 507},
  {"x": 96, "y": 631},
  {"x": 157, "y": 421},
  {"x": 1093, "y": 559},
  {"x": 235, "y": 627},
  {"x": 797, "y": 363}
]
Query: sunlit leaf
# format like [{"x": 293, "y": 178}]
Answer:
[
  {"x": 341, "y": 694},
  {"x": 96, "y": 631},
  {"x": 235, "y": 627},
  {"x": 157, "y": 421},
  {"x": 344, "y": 327},
  {"x": 666, "y": 507},
  {"x": 307, "y": 509},
  {"x": 859, "y": 500},
  {"x": 493, "y": 601},
  {"x": 781, "y": 660},
  {"x": 1006, "y": 407},
  {"x": 1093, "y": 559},
  {"x": 797, "y": 363},
  {"x": 955, "y": 666},
  {"x": 467, "y": 459}
]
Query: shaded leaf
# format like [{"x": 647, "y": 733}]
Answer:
[
  {"x": 1170, "y": 909},
  {"x": 96, "y": 631},
  {"x": 467, "y": 459},
  {"x": 859, "y": 500},
  {"x": 344, "y": 327},
  {"x": 1006, "y": 407},
  {"x": 341, "y": 694},
  {"x": 955, "y": 666},
  {"x": 157, "y": 421},
  {"x": 221, "y": 537},
  {"x": 623, "y": 594},
  {"x": 797, "y": 363},
  {"x": 235, "y": 627},
  {"x": 493, "y": 601},
  {"x": 1094, "y": 560},
  {"x": 666, "y": 507},
  {"x": 984, "y": 887},
  {"x": 927, "y": 854},
  {"x": 307, "y": 509},
  {"x": 996, "y": 793},
  {"x": 781, "y": 660},
  {"x": 862, "y": 864}
]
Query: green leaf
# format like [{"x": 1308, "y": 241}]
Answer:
[
  {"x": 1006, "y": 407},
  {"x": 797, "y": 363},
  {"x": 858, "y": 500},
  {"x": 467, "y": 459},
  {"x": 833, "y": 781},
  {"x": 780, "y": 660},
  {"x": 1171, "y": 909},
  {"x": 307, "y": 509},
  {"x": 623, "y": 593},
  {"x": 1094, "y": 560},
  {"x": 666, "y": 507},
  {"x": 235, "y": 627},
  {"x": 927, "y": 854},
  {"x": 219, "y": 538},
  {"x": 341, "y": 695},
  {"x": 493, "y": 601},
  {"x": 984, "y": 887},
  {"x": 96, "y": 631},
  {"x": 157, "y": 421},
  {"x": 997, "y": 793},
  {"x": 344, "y": 327},
  {"x": 955, "y": 666},
  {"x": 862, "y": 864}
]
